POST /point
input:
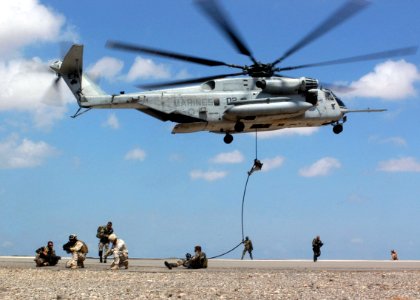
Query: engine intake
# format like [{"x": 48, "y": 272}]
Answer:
[{"x": 287, "y": 86}]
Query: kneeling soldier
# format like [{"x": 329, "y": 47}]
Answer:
[
  {"x": 120, "y": 252},
  {"x": 45, "y": 256},
  {"x": 78, "y": 250}
]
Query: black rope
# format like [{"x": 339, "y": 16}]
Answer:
[
  {"x": 243, "y": 199},
  {"x": 243, "y": 202},
  {"x": 242, "y": 221},
  {"x": 226, "y": 251},
  {"x": 256, "y": 143}
]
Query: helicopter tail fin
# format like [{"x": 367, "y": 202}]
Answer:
[{"x": 71, "y": 71}]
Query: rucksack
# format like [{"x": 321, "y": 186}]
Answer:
[
  {"x": 84, "y": 248},
  {"x": 100, "y": 232}
]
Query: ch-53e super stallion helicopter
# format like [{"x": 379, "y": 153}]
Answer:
[{"x": 262, "y": 100}]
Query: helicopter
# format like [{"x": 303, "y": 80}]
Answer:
[{"x": 256, "y": 98}]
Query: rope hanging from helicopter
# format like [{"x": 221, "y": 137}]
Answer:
[{"x": 255, "y": 167}]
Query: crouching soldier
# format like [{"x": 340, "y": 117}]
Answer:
[
  {"x": 198, "y": 261},
  {"x": 78, "y": 250},
  {"x": 120, "y": 252},
  {"x": 45, "y": 256}
]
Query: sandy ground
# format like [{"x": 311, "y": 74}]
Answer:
[{"x": 224, "y": 279}]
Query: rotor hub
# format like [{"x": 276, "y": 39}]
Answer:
[{"x": 260, "y": 70}]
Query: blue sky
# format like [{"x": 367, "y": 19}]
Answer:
[{"x": 165, "y": 193}]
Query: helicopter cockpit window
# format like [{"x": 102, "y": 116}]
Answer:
[
  {"x": 216, "y": 102},
  {"x": 329, "y": 96},
  {"x": 339, "y": 101}
]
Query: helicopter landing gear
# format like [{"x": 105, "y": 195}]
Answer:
[
  {"x": 228, "y": 138},
  {"x": 239, "y": 126},
  {"x": 338, "y": 128}
]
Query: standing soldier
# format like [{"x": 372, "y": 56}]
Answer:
[
  {"x": 247, "y": 247},
  {"x": 394, "y": 255},
  {"x": 120, "y": 252},
  {"x": 45, "y": 256},
  {"x": 78, "y": 250},
  {"x": 103, "y": 234},
  {"x": 316, "y": 247}
]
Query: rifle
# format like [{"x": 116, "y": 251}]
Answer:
[{"x": 68, "y": 245}]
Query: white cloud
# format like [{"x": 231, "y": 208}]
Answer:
[
  {"x": 403, "y": 164},
  {"x": 207, "y": 175},
  {"x": 272, "y": 163},
  {"x": 25, "y": 86},
  {"x": 391, "y": 80},
  {"x": 146, "y": 68},
  {"x": 233, "y": 157},
  {"x": 355, "y": 198},
  {"x": 394, "y": 140},
  {"x": 25, "y": 82},
  {"x": 16, "y": 153},
  {"x": 25, "y": 22},
  {"x": 7, "y": 244},
  {"x": 107, "y": 67},
  {"x": 183, "y": 74},
  {"x": 322, "y": 167},
  {"x": 135, "y": 154},
  {"x": 303, "y": 131},
  {"x": 112, "y": 122},
  {"x": 356, "y": 241}
]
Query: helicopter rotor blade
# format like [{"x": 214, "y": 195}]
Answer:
[
  {"x": 187, "y": 81},
  {"x": 344, "y": 13},
  {"x": 366, "y": 57},
  {"x": 213, "y": 10},
  {"x": 169, "y": 54}
]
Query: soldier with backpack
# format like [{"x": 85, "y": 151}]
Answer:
[{"x": 102, "y": 234}]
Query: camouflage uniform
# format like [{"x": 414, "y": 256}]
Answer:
[
  {"x": 394, "y": 255},
  {"x": 198, "y": 261},
  {"x": 120, "y": 252},
  {"x": 247, "y": 248},
  {"x": 316, "y": 247},
  {"x": 102, "y": 234},
  {"x": 45, "y": 256},
  {"x": 78, "y": 255}
]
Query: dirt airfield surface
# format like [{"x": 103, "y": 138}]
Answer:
[{"x": 224, "y": 279}]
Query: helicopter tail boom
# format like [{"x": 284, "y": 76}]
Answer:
[{"x": 71, "y": 71}]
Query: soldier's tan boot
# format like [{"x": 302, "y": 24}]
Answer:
[
  {"x": 126, "y": 264},
  {"x": 114, "y": 266}
]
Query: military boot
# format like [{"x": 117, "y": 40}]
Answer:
[
  {"x": 100, "y": 256},
  {"x": 170, "y": 265}
]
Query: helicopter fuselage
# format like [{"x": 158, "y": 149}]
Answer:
[{"x": 220, "y": 105}]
